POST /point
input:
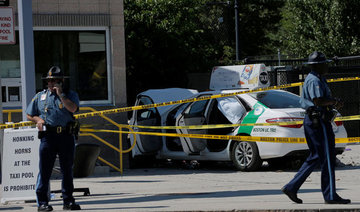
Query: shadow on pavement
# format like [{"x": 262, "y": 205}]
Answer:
[
  {"x": 10, "y": 208},
  {"x": 130, "y": 181},
  {"x": 175, "y": 196},
  {"x": 124, "y": 208}
]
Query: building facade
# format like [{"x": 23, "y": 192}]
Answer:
[{"x": 87, "y": 40}]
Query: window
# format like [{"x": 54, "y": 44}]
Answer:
[
  {"x": 82, "y": 54},
  {"x": 277, "y": 99},
  {"x": 197, "y": 109},
  {"x": 11, "y": 92},
  {"x": 149, "y": 113},
  {"x": 171, "y": 118},
  {"x": 14, "y": 94},
  {"x": 10, "y": 60}
]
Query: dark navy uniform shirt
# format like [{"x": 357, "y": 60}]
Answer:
[
  {"x": 49, "y": 107},
  {"x": 314, "y": 86}
]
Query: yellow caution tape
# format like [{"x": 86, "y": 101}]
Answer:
[
  {"x": 210, "y": 126},
  {"x": 349, "y": 140},
  {"x": 348, "y": 118},
  {"x": 16, "y": 125},
  {"x": 213, "y": 126},
  {"x": 140, "y": 107},
  {"x": 344, "y": 79},
  {"x": 228, "y": 137}
]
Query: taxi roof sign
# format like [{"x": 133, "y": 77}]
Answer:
[{"x": 239, "y": 76}]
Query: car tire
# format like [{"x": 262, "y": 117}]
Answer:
[{"x": 245, "y": 156}]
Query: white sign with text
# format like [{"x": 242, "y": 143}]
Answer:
[
  {"x": 20, "y": 164},
  {"x": 7, "y": 28}
]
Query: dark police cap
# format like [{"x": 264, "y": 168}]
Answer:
[
  {"x": 317, "y": 58},
  {"x": 55, "y": 73}
]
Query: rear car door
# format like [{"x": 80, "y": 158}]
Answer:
[{"x": 194, "y": 114}]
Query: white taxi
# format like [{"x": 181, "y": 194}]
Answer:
[{"x": 270, "y": 106}]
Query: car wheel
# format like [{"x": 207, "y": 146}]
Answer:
[{"x": 245, "y": 156}]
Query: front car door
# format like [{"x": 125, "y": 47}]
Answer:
[{"x": 147, "y": 117}]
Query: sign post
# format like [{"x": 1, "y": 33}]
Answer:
[
  {"x": 27, "y": 61},
  {"x": 7, "y": 28}
]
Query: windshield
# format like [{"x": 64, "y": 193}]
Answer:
[{"x": 277, "y": 99}]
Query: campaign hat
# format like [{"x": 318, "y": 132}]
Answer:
[
  {"x": 55, "y": 72},
  {"x": 317, "y": 58}
]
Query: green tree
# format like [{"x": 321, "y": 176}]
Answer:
[
  {"x": 259, "y": 21},
  {"x": 166, "y": 39},
  {"x": 164, "y": 42},
  {"x": 330, "y": 26}
]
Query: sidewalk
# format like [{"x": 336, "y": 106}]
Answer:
[
  {"x": 213, "y": 188},
  {"x": 170, "y": 189}
]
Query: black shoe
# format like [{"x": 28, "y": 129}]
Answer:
[
  {"x": 45, "y": 208},
  {"x": 338, "y": 201},
  {"x": 72, "y": 207},
  {"x": 291, "y": 195}
]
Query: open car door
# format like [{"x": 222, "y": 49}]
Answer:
[
  {"x": 227, "y": 110},
  {"x": 194, "y": 114},
  {"x": 147, "y": 117}
]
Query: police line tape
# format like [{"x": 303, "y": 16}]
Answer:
[
  {"x": 213, "y": 126},
  {"x": 210, "y": 126},
  {"x": 228, "y": 137},
  {"x": 16, "y": 125},
  {"x": 140, "y": 107}
]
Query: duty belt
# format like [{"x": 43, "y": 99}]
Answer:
[{"x": 57, "y": 129}]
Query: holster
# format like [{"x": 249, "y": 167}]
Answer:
[
  {"x": 41, "y": 134},
  {"x": 315, "y": 116},
  {"x": 73, "y": 128},
  {"x": 329, "y": 115}
]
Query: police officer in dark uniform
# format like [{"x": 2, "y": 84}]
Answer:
[
  {"x": 52, "y": 111},
  {"x": 316, "y": 99}
]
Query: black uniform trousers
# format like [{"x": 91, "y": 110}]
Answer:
[
  {"x": 321, "y": 142},
  {"x": 53, "y": 144}
]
